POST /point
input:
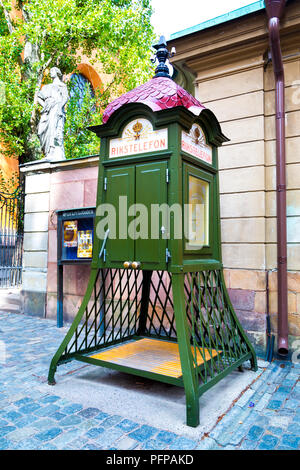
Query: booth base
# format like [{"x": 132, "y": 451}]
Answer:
[{"x": 155, "y": 356}]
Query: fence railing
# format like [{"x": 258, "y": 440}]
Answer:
[{"x": 11, "y": 238}]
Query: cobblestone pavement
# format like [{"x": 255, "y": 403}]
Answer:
[{"x": 266, "y": 416}]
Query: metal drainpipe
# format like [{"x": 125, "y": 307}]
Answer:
[{"x": 275, "y": 10}]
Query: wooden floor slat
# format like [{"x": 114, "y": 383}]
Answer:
[{"x": 160, "y": 357}]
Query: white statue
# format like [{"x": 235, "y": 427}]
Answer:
[{"x": 53, "y": 98}]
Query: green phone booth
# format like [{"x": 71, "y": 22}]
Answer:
[{"x": 156, "y": 305}]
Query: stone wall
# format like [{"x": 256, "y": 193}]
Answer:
[{"x": 50, "y": 187}]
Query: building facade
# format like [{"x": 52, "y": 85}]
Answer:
[{"x": 227, "y": 60}]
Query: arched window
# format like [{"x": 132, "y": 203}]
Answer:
[{"x": 79, "y": 85}]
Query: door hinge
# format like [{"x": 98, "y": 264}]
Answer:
[
  {"x": 167, "y": 175},
  {"x": 168, "y": 255},
  {"x": 105, "y": 184}
]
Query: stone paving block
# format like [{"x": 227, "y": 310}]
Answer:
[
  {"x": 153, "y": 444},
  {"x": 127, "y": 425},
  {"x": 77, "y": 443},
  {"x": 50, "y": 399},
  {"x": 284, "y": 448},
  {"x": 207, "y": 444},
  {"x": 23, "y": 401},
  {"x": 285, "y": 389},
  {"x": 254, "y": 433},
  {"x": 248, "y": 445},
  {"x": 291, "y": 441},
  {"x": 65, "y": 438},
  {"x": 245, "y": 398},
  {"x": 281, "y": 421},
  {"x": 58, "y": 416},
  {"x": 182, "y": 443},
  {"x": 166, "y": 437},
  {"x": 274, "y": 404},
  {"x": 21, "y": 434},
  {"x": 72, "y": 408},
  {"x": 4, "y": 430},
  {"x": 11, "y": 416},
  {"x": 89, "y": 412},
  {"x": 48, "y": 434},
  {"x": 268, "y": 442},
  {"x": 71, "y": 420},
  {"x": 47, "y": 410},
  {"x": 280, "y": 396},
  {"x": 291, "y": 404},
  {"x": 276, "y": 431},
  {"x": 102, "y": 416},
  {"x": 294, "y": 428},
  {"x": 126, "y": 443},
  {"x": 93, "y": 433},
  {"x": 27, "y": 444},
  {"x": 4, "y": 444},
  {"x": 88, "y": 424},
  {"x": 48, "y": 446},
  {"x": 144, "y": 433},
  {"x": 295, "y": 395},
  {"x": 108, "y": 437},
  {"x": 238, "y": 432},
  {"x": 233, "y": 416},
  {"x": 89, "y": 446},
  {"x": 111, "y": 421},
  {"x": 44, "y": 424},
  {"x": 29, "y": 408},
  {"x": 25, "y": 421}
]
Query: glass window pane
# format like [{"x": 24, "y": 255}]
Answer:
[{"x": 198, "y": 210}]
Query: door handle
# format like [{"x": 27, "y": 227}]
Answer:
[
  {"x": 127, "y": 264},
  {"x": 136, "y": 265}
]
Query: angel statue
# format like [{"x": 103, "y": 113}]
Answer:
[{"x": 53, "y": 98}]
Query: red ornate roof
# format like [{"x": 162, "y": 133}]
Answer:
[{"x": 159, "y": 93}]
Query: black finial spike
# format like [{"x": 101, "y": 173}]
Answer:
[{"x": 162, "y": 55}]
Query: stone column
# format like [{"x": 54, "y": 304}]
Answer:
[{"x": 35, "y": 254}]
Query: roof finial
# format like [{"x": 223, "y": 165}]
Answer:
[{"x": 162, "y": 54}]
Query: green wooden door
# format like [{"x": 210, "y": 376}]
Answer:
[
  {"x": 151, "y": 192},
  {"x": 120, "y": 191},
  {"x": 136, "y": 193}
]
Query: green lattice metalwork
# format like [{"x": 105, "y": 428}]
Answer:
[
  {"x": 125, "y": 305},
  {"x": 213, "y": 325}
]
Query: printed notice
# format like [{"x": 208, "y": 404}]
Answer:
[
  {"x": 70, "y": 233},
  {"x": 85, "y": 244}
]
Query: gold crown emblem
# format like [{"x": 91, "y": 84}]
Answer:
[{"x": 138, "y": 126}]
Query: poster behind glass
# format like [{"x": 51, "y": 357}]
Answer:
[{"x": 77, "y": 240}]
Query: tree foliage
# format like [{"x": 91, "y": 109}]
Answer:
[{"x": 114, "y": 33}]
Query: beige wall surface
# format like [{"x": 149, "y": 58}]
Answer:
[{"x": 235, "y": 79}]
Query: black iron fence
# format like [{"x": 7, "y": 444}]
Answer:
[{"x": 11, "y": 237}]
